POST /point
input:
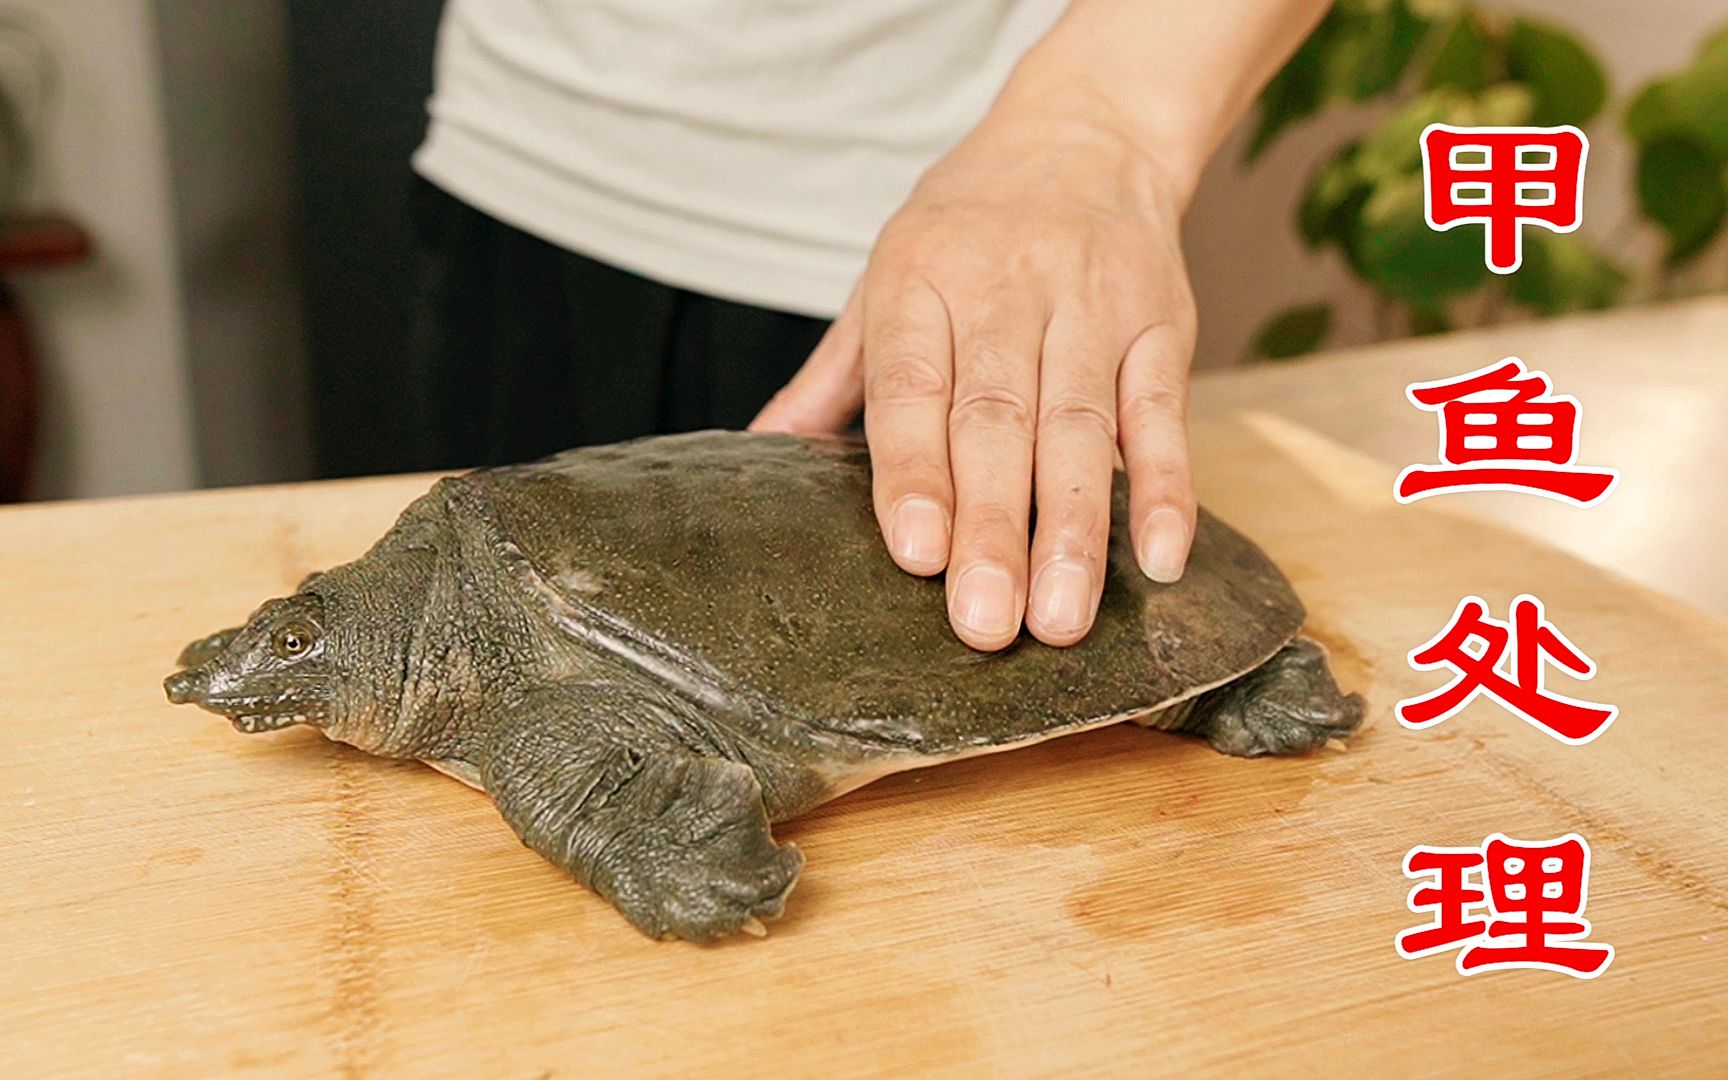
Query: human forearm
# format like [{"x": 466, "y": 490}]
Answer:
[{"x": 1170, "y": 76}]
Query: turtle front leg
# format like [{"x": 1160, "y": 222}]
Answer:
[
  {"x": 677, "y": 841},
  {"x": 1288, "y": 705}
]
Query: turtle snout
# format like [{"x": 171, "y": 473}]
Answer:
[{"x": 187, "y": 686}]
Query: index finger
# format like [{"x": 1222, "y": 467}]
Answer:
[{"x": 908, "y": 384}]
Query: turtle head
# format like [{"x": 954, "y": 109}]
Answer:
[{"x": 268, "y": 674}]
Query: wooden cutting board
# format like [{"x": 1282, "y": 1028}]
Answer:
[{"x": 181, "y": 900}]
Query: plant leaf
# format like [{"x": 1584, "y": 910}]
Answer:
[
  {"x": 1682, "y": 188},
  {"x": 1467, "y": 59},
  {"x": 1698, "y": 97},
  {"x": 1568, "y": 83},
  {"x": 1294, "y": 93},
  {"x": 1389, "y": 36},
  {"x": 1561, "y": 273},
  {"x": 1292, "y": 332},
  {"x": 1405, "y": 259},
  {"x": 1691, "y": 103},
  {"x": 1502, "y": 105},
  {"x": 1716, "y": 42},
  {"x": 1652, "y": 115},
  {"x": 1332, "y": 199},
  {"x": 1395, "y": 147},
  {"x": 1358, "y": 51}
]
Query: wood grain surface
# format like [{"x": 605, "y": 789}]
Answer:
[{"x": 181, "y": 900}]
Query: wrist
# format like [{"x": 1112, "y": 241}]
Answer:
[
  {"x": 1171, "y": 133},
  {"x": 1156, "y": 143}
]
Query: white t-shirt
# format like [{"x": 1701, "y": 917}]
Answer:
[{"x": 748, "y": 149}]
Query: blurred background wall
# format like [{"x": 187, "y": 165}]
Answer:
[
  {"x": 227, "y": 102},
  {"x": 117, "y": 393},
  {"x": 175, "y": 357},
  {"x": 242, "y": 166}
]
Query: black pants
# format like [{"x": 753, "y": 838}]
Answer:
[{"x": 523, "y": 348}]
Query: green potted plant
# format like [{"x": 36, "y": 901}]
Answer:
[{"x": 1458, "y": 63}]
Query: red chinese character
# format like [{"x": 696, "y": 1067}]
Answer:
[
  {"x": 1534, "y": 643},
  {"x": 1503, "y": 429},
  {"x": 1536, "y": 895},
  {"x": 1449, "y": 896},
  {"x": 1504, "y": 178}
]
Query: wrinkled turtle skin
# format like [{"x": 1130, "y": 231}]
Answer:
[{"x": 646, "y": 653}]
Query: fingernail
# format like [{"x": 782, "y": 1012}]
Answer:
[
  {"x": 1062, "y": 597},
  {"x": 984, "y": 602},
  {"x": 918, "y": 529},
  {"x": 1164, "y": 545}
]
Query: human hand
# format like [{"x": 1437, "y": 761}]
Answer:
[{"x": 1023, "y": 316}]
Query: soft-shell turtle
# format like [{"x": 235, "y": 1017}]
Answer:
[{"x": 646, "y": 653}]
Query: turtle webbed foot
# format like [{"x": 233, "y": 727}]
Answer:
[
  {"x": 706, "y": 865},
  {"x": 1288, "y": 705},
  {"x": 678, "y": 841}
]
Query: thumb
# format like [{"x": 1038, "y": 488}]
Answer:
[{"x": 828, "y": 390}]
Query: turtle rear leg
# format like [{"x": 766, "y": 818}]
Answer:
[{"x": 1288, "y": 705}]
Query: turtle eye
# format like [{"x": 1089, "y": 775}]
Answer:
[{"x": 293, "y": 641}]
